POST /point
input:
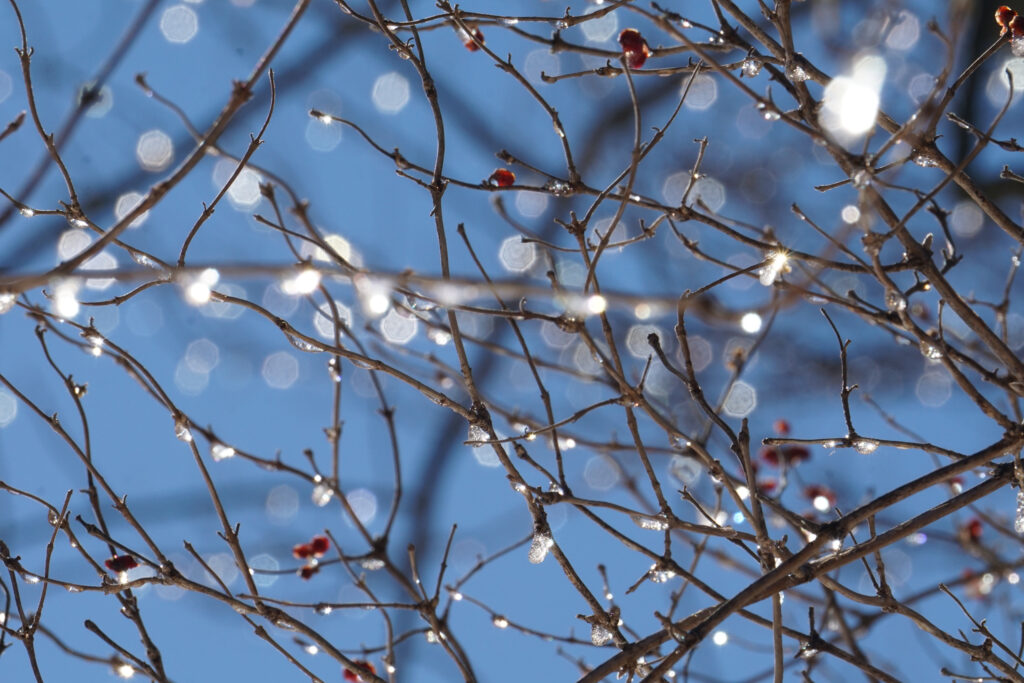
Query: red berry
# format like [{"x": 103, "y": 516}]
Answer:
[
  {"x": 790, "y": 455},
  {"x": 972, "y": 530},
  {"x": 467, "y": 39},
  {"x": 815, "y": 491},
  {"x": 634, "y": 47},
  {"x": 796, "y": 454},
  {"x": 319, "y": 545},
  {"x": 770, "y": 455},
  {"x": 121, "y": 563},
  {"x": 307, "y": 571},
  {"x": 767, "y": 485},
  {"x": 781, "y": 427},
  {"x": 302, "y": 551},
  {"x": 502, "y": 177},
  {"x": 1016, "y": 26},
  {"x": 354, "y": 677},
  {"x": 1004, "y": 15}
]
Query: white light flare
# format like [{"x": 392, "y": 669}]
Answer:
[{"x": 851, "y": 102}]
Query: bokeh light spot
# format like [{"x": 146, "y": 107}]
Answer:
[
  {"x": 155, "y": 151},
  {"x": 280, "y": 370},
  {"x": 179, "y": 24},
  {"x": 391, "y": 92}
]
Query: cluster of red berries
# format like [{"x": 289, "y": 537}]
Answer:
[
  {"x": 634, "y": 47},
  {"x": 121, "y": 563},
  {"x": 362, "y": 664},
  {"x": 311, "y": 552},
  {"x": 783, "y": 455},
  {"x": 1010, "y": 21}
]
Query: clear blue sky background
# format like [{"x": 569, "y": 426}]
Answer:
[{"x": 331, "y": 63}]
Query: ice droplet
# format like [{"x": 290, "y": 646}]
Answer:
[
  {"x": 861, "y": 179},
  {"x": 658, "y": 523},
  {"x": 478, "y": 435},
  {"x": 334, "y": 369},
  {"x": 303, "y": 345},
  {"x": 220, "y": 451},
  {"x": 1018, "y": 520},
  {"x": 768, "y": 111},
  {"x": 751, "y": 67},
  {"x": 796, "y": 72},
  {"x": 558, "y": 188},
  {"x": 371, "y": 564},
  {"x": 895, "y": 301},
  {"x": 660, "y": 574},
  {"x": 144, "y": 260},
  {"x": 865, "y": 446},
  {"x": 777, "y": 264},
  {"x": 6, "y": 302},
  {"x": 1017, "y": 46},
  {"x": 540, "y": 546},
  {"x": 499, "y": 621},
  {"x": 182, "y": 431},
  {"x": 322, "y": 494},
  {"x": 930, "y": 351},
  {"x": 925, "y": 159},
  {"x": 599, "y": 635}
]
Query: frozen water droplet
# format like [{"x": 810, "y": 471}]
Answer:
[
  {"x": 7, "y": 300},
  {"x": 334, "y": 369},
  {"x": 1018, "y": 519},
  {"x": 519, "y": 487},
  {"x": 52, "y": 517},
  {"x": 182, "y": 431},
  {"x": 324, "y": 609},
  {"x": 660, "y": 574},
  {"x": 478, "y": 435},
  {"x": 73, "y": 589},
  {"x": 27, "y": 212},
  {"x": 751, "y": 67},
  {"x": 777, "y": 264},
  {"x": 796, "y": 72},
  {"x": 895, "y": 301},
  {"x": 220, "y": 451},
  {"x": 599, "y": 635},
  {"x": 144, "y": 260},
  {"x": 303, "y": 345},
  {"x": 540, "y": 546},
  {"x": 1017, "y": 46},
  {"x": 829, "y": 444},
  {"x": 322, "y": 494},
  {"x": 558, "y": 188},
  {"x": 768, "y": 111},
  {"x": 925, "y": 159},
  {"x": 555, "y": 488},
  {"x": 658, "y": 523},
  {"x": 861, "y": 179},
  {"x": 865, "y": 446},
  {"x": 371, "y": 564},
  {"x": 431, "y": 636},
  {"x": 499, "y": 621},
  {"x": 930, "y": 351}
]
